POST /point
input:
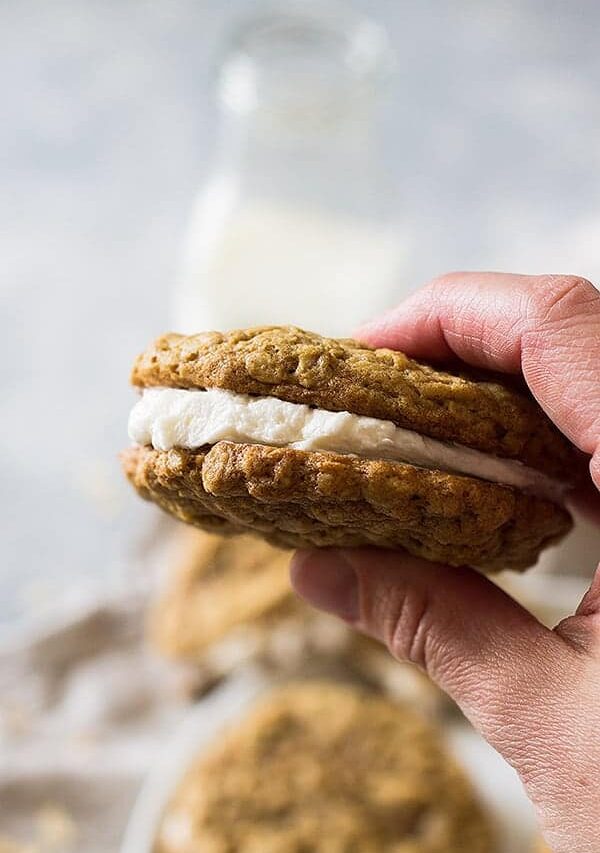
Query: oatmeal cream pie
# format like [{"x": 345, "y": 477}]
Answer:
[
  {"x": 325, "y": 767},
  {"x": 311, "y": 441}
]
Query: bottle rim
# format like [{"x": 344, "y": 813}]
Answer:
[{"x": 301, "y": 50}]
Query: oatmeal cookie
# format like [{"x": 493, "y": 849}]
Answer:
[{"x": 328, "y": 768}]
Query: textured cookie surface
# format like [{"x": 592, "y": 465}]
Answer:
[
  {"x": 300, "y": 499},
  {"x": 343, "y": 375},
  {"x": 330, "y": 769},
  {"x": 219, "y": 584}
]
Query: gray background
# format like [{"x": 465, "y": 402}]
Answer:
[{"x": 492, "y": 126}]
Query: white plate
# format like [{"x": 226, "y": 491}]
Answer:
[{"x": 197, "y": 730}]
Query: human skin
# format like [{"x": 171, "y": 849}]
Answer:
[{"x": 533, "y": 693}]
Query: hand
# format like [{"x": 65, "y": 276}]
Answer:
[{"x": 533, "y": 693}]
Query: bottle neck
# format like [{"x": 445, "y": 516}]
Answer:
[
  {"x": 297, "y": 90},
  {"x": 304, "y": 157}
]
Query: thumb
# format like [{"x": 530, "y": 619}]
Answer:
[{"x": 488, "y": 653}]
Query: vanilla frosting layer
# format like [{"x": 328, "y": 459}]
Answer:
[{"x": 171, "y": 417}]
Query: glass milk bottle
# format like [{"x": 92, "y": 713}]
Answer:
[{"x": 295, "y": 224}]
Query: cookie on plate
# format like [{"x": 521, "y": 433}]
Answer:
[
  {"x": 312, "y": 441},
  {"x": 327, "y": 767},
  {"x": 225, "y": 600}
]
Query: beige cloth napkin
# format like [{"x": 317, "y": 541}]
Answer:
[{"x": 84, "y": 709}]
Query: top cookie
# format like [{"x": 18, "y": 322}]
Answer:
[{"x": 343, "y": 375}]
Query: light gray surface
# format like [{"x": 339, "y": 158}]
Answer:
[{"x": 492, "y": 136}]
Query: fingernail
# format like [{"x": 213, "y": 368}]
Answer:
[{"x": 325, "y": 579}]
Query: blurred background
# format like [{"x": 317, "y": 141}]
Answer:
[{"x": 186, "y": 165}]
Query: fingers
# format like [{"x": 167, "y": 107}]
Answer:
[
  {"x": 492, "y": 656},
  {"x": 457, "y": 315},
  {"x": 533, "y": 693},
  {"x": 548, "y": 327}
]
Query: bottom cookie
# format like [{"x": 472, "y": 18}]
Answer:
[{"x": 297, "y": 498}]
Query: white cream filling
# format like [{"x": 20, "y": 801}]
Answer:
[{"x": 172, "y": 417}]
